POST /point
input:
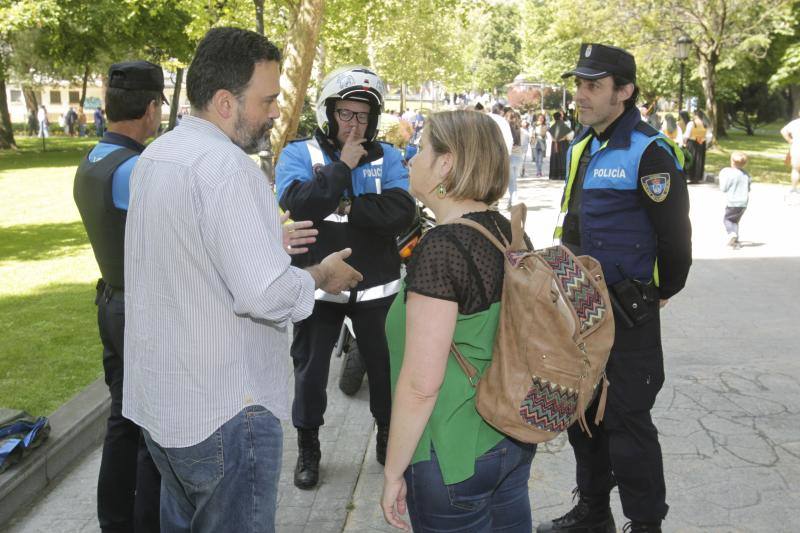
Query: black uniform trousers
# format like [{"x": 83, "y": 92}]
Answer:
[
  {"x": 129, "y": 485},
  {"x": 314, "y": 339},
  {"x": 624, "y": 448}
]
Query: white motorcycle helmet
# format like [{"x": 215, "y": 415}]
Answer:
[{"x": 353, "y": 82}]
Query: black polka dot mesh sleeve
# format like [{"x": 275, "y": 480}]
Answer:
[{"x": 456, "y": 263}]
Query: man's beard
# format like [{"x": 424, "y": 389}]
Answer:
[{"x": 250, "y": 140}]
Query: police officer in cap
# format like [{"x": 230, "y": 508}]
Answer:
[
  {"x": 625, "y": 203},
  {"x": 128, "y": 487}
]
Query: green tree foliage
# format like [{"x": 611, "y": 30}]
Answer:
[
  {"x": 725, "y": 33},
  {"x": 406, "y": 41},
  {"x": 788, "y": 72},
  {"x": 501, "y": 47}
]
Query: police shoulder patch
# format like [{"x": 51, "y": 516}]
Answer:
[{"x": 656, "y": 186}]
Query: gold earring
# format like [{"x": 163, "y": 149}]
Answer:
[{"x": 441, "y": 192}]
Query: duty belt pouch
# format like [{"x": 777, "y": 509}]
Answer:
[
  {"x": 629, "y": 303},
  {"x": 99, "y": 289}
]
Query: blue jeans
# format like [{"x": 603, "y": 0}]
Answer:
[
  {"x": 515, "y": 169},
  {"x": 539, "y": 150},
  {"x": 228, "y": 482},
  {"x": 495, "y": 498}
]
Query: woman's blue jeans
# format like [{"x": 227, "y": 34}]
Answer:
[
  {"x": 515, "y": 169},
  {"x": 228, "y": 482},
  {"x": 539, "y": 150},
  {"x": 495, "y": 498}
]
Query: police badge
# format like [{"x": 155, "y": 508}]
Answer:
[{"x": 656, "y": 186}]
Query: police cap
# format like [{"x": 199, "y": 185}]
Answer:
[
  {"x": 599, "y": 60},
  {"x": 137, "y": 76}
]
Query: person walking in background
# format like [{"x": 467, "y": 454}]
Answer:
[
  {"x": 525, "y": 142},
  {"x": 517, "y": 154},
  {"x": 670, "y": 127},
  {"x": 70, "y": 121},
  {"x": 650, "y": 115},
  {"x": 44, "y": 123},
  {"x": 694, "y": 139},
  {"x": 561, "y": 135},
  {"x": 683, "y": 122},
  {"x": 450, "y": 469},
  {"x": 791, "y": 133},
  {"x": 81, "y": 122},
  {"x": 129, "y": 484},
  {"x": 497, "y": 115},
  {"x": 539, "y": 143},
  {"x": 734, "y": 181},
  {"x": 418, "y": 124},
  {"x": 99, "y": 122},
  {"x": 32, "y": 124}
]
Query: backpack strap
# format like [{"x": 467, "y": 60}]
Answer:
[
  {"x": 485, "y": 232},
  {"x": 518, "y": 215},
  {"x": 469, "y": 370}
]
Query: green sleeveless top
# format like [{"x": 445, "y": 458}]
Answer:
[
  {"x": 455, "y": 263},
  {"x": 455, "y": 430}
]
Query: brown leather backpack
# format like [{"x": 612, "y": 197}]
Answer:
[{"x": 553, "y": 340}]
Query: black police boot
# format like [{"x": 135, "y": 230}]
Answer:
[
  {"x": 590, "y": 515},
  {"x": 381, "y": 441},
  {"x": 642, "y": 527},
  {"x": 306, "y": 473}
]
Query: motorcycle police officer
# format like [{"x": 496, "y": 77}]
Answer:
[
  {"x": 128, "y": 487},
  {"x": 355, "y": 191},
  {"x": 625, "y": 203}
]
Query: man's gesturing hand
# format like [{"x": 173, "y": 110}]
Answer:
[
  {"x": 297, "y": 234},
  {"x": 333, "y": 275},
  {"x": 353, "y": 151}
]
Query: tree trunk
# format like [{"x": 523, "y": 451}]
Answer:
[
  {"x": 708, "y": 78},
  {"x": 298, "y": 58},
  {"x": 259, "y": 4},
  {"x": 6, "y": 129},
  {"x": 322, "y": 67},
  {"x": 721, "y": 127},
  {"x": 85, "y": 81},
  {"x": 794, "y": 96},
  {"x": 402, "y": 98},
  {"x": 31, "y": 102},
  {"x": 176, "y": 99}
]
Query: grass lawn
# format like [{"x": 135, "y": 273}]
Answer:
[
  {"x": 766, "y": 150},
  {"x": 49, "y": 345}
]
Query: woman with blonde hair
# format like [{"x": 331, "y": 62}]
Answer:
[{"x": 446, "y": 466}]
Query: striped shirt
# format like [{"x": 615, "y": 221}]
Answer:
[{"x": 209, "y": 290}]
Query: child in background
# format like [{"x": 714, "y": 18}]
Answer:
[{"x": 735, "y": 183}]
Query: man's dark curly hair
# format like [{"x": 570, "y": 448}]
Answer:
[{"x": 225, "y": 59}]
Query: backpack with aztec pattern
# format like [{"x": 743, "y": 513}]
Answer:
[{"x": 553, "y": 340}]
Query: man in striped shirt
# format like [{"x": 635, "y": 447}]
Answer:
[{"x": 210, "y": 292}]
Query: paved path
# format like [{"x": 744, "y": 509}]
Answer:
[{"x": 729, "y": 413}]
